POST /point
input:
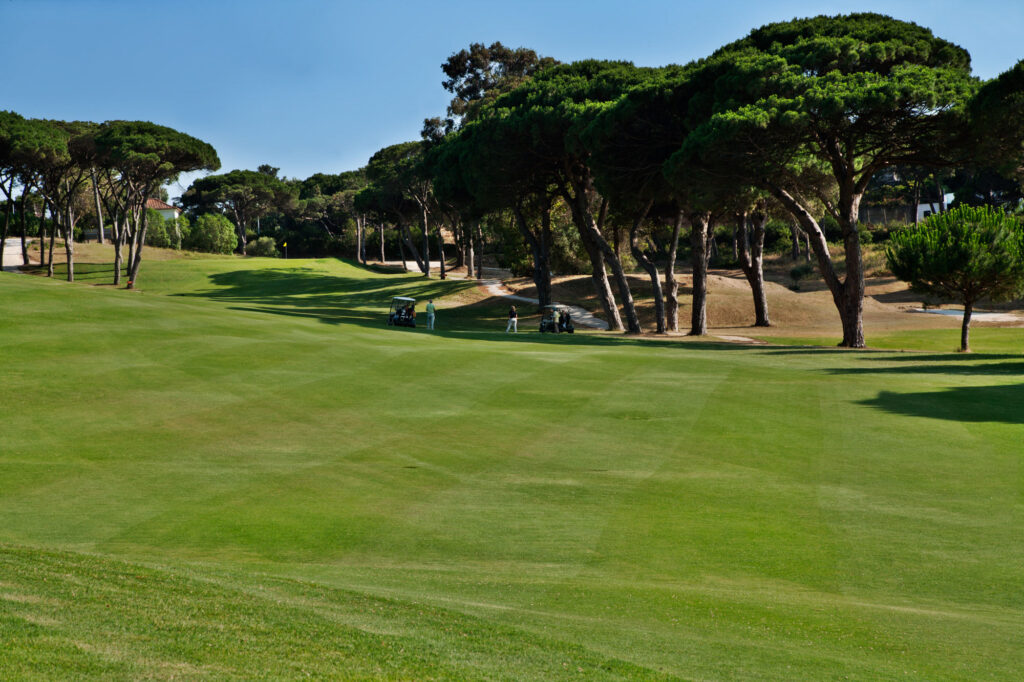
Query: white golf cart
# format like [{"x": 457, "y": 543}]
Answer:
[
  {"x": 556, "y": 319},
  {"x": 402, "y": 312}
]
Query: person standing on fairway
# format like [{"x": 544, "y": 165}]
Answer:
[
  {"x": 430, "y": 314},
  {"x": 513, "y": 320}
]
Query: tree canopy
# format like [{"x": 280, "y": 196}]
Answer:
[
  {"x": 245, "y": 195},
  {"x": 811, "y": 109},
  {"x": 965, "y": 254}
]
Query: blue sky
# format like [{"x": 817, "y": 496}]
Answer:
[{"x": 316, "y": 86}]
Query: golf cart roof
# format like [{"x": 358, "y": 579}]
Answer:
[{"x": 403, "y": 298}]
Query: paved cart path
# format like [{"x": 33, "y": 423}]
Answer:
[
  {"x": 12, "y": 254},
  {"x": 492, "y": 285}
]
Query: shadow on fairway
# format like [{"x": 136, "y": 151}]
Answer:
[
  {"x": 329, "y": 298},
  {"x": 962, "y": 404},
  {"x": 973, "y": 369},
  {"x": 333, "y": 299}
]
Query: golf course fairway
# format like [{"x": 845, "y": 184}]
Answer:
[{"x": 239, "y": 472}]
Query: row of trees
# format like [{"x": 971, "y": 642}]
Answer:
[
  {"x": 799, "y": 117},
  {"x": 47, "y": 166},
  {"x": 595, "y": 165}
]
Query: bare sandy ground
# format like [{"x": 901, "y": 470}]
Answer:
[{"x": 889, "y": 305}]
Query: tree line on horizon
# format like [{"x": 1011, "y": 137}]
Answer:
[{"x": 598, "y": 166}]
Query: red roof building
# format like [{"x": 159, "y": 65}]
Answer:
[{"x": 165, "y": 210}]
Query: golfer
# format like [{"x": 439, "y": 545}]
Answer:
[
  {"x": 430, "y": 314},
  {"x": 513, "y": 320}
]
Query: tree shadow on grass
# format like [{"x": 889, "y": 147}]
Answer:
[
  {"x": 959, "y": 369},
  {"x": 329, "y": 298},
  {"x": 333, "y": 299},
  {"x": 963, "y": 404},
  {"x": 91, "y": 273}
]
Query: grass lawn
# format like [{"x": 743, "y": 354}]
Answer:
[{"x": 239, "y": 472}]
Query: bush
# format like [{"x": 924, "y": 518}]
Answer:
[
  {"x": 159, "y": 232},
  {"x": 800, "y": 272},
  {"x": 212, "y": 233},
  {"x": 777, "y": 236},
  {"x": 830, "y": 226},
  {"x": 264, "y": 247}
]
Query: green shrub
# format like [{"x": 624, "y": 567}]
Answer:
[
  {"x": 830, "y": 226},
  {"x": 800, "y": 272},
  {"x": 777, "y": 236},
  {"x": 264, "y": 247},
  {"x": 159, "y": 232},
  {"x": 212, "y": 233}
]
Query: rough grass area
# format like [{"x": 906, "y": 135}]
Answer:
[{"x": 238, "y": 471}]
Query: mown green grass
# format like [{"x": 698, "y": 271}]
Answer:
[
  {"x": 985, "y": 340},
  {"x": 239, "y": 472}
]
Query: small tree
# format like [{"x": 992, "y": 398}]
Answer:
[
  {"x": 212, "y": 233},
  {"x": 968, "y": 253}
]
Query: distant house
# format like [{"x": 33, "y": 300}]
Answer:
[
  {"x": 166, "y": 211},
  {"x": 902, "y": 213},
  {"x": 925, "y": 210}
]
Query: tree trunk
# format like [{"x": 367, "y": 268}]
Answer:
[
  {"x": 426, "y": 242},
  {"x": 917, "y": 202},
  {"x": 479, "y": 251},
  {"x": 177, "y": 234},
  {"x": 965, "y": 328},
  {"x": 69, "y": 242},
  {"x": 468, "y": 240},
  {"x": 53, "y": 237},
  {"x": 140, "y": 240},
  {"x": 129, "y": 227},
  {"x": 671, "y": 284},
  {"x": 652, "y": 270},
  {"x": 99, "y": 209},
  {"x": 736, "y": 242},
  {"x": 602, "y": 287},
  {"x": 404, "y": 229},
  {"x": 401, "y": 251},
  {"x": 8, "y": 206},
  {"x": 539, "y": 247},
  {"x": 359, "y": 241},
  {"x": 380, "y": 231},
  {"x": 752, "y": 263},
  {"x": 440, "y": 251},
  {"x": 848, "y": 294},
  {"x": 600, "y": 251},
  {"x": 699, "y": 229},
  {"x": 794, "y": 233},
  {"x": 24, "y": 226},
  {"x": 242, "y": 239},
  {"x": 118, "y": 243}
]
